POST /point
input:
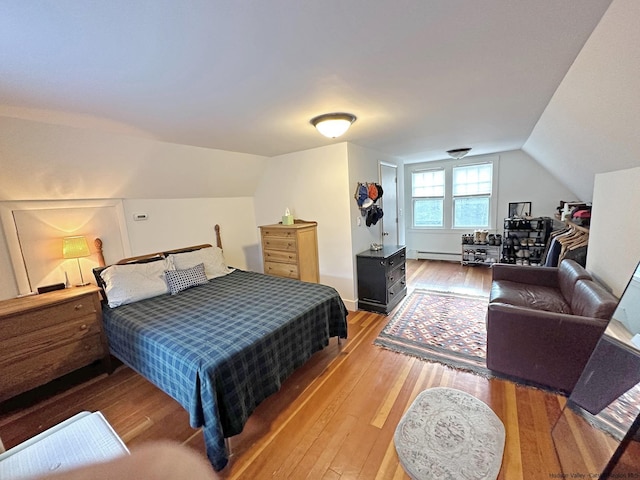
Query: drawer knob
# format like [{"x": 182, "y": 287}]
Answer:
[
  {"x": 78, "y": 306},
  {"x": 83, "y": 326}
]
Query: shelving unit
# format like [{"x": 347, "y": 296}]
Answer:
[
  {"x": 480, "y": 254},
  {"x": 525, "y": 240}
]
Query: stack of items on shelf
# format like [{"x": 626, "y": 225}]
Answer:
[
  {"x": 577, "y": 212},
  {"x": 525, "y": 240},
  {"x": 485, "y": 249}
]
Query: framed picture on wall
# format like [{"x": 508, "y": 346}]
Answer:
[{"x": 519, "y": 209}]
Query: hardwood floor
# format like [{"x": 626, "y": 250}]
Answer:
[{"x": 334, "y": 418}]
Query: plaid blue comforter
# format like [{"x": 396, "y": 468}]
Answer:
[{"x": 220, "y": 349}]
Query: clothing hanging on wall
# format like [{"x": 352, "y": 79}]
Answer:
[
  {"x": 571, "y": 241},
  {"x": 367, "y": 195}
]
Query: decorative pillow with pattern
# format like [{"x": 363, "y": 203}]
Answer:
[{"x": 179, "y": 280}]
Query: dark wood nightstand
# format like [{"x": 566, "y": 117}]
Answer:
[{"x": 381, "y": 278}]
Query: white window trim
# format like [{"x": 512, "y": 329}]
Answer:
[
  {"x": 448, "y": 202},
  {"x": 443, "y": 197},
  {"x": 479, "y": 195}
]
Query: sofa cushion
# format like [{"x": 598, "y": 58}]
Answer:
[
  {"x": 590, "y": 299},
  {"x": 569, "y": 272},
  {"x": 537, "y": 297}
]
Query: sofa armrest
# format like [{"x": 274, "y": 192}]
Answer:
[
  {"x": 544, "y": 276},
  {"x": 546, "y": 348}
]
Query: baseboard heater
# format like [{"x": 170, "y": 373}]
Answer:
[{"x": 426, "y": 255}]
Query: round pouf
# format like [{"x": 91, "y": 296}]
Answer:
[{"x": 449, "y": 434}]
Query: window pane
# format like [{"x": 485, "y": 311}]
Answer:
[
  {"x": 428, "y": 212},
  {"x": 428, "y": 183},
  {"x": 471, "y": 212},
  {"x": 472, "y": 180}
]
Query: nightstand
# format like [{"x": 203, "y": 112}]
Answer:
[
  {"x": 381, "y": 278},
  {"x": 43, "y": 337}
]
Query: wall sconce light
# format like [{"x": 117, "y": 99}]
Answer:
[
  {"x": 76, "y": 247},
  {"x": 458, "y": 153},
  {"x": 333, "y": 125}
]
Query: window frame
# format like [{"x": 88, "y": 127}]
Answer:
[
  {"x": 419, "y": 197},
  {"x": 455, "y": 197},
  {"x": 448, "y": 166}
]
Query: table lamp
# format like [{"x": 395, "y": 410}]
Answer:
[{"x": 76, "y": 247}]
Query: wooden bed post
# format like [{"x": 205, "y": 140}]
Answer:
[
  {"x": 218, "y": 237},
  {"x": 98, "y": 243}
]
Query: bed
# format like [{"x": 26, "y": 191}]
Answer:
[{"x": 221, "y": 347}]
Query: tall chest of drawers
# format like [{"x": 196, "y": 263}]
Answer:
[
  {"x": 381, "y": 278},
  {"x": 291, "y": 251},
  {"x": 45, "y": 336}
]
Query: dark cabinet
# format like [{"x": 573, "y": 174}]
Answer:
[{"x": 382, "y": 281}]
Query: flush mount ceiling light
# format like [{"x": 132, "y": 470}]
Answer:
[
  {"x": 333, "y": 125},
  {"x": 458, "y": 152}
]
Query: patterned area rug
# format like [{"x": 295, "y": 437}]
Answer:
[
  {"x": 450, "y": 329},
  {"x": 440, "y": 327},
  {"x": 449, "y": 434}
]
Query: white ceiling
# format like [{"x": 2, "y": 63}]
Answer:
[{"x": 422, "y": 76}]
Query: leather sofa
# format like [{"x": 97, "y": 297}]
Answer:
[{"x": 544, "y": 322}]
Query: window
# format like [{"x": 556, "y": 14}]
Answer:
[
  {"x": 472, "y": 186},
  {"x": 427, "y": 192}
]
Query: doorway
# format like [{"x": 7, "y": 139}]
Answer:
[{"x": 389, "y": 182}]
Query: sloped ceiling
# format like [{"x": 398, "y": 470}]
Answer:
[
  {"x": 422, "y": 76},
  {"x": 592, "y": 123}
]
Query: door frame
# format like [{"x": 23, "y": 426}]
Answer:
[{"x": 397, "y": 222}]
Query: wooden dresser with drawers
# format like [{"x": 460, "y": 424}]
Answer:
[
  {"x": 291, "y": 250},
  {"x": 43, "y": 337}
]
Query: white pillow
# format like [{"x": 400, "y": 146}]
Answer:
[
  {"x": 130, "y": 283},
  {"x": 214, "y": 264}
]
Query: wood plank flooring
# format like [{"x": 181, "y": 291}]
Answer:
[{"x": 334, "y": 418}]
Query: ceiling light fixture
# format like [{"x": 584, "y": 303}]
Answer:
[
  {"x": 458, "y": 153},
  {"x": 333, "y": 125}
]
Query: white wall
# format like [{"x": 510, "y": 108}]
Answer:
[
  {"x": 49, "y": 162},
  {"x": 519, "y": 179},
  {"x": 39, "y": 161},
  {"x": 364, "y": 167},
  {"x": 590, "y": 125},
  {"x": 175, "y": 223},
  {"x": 614, "y": 237},
  {"x": 314, "y": 185},
  {"x": 522, "y": 179}
]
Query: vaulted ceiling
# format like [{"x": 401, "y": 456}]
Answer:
[{"x": 422, "y": 76}]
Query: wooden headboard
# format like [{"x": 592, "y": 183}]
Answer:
[{"x": 152, "y": 256}]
